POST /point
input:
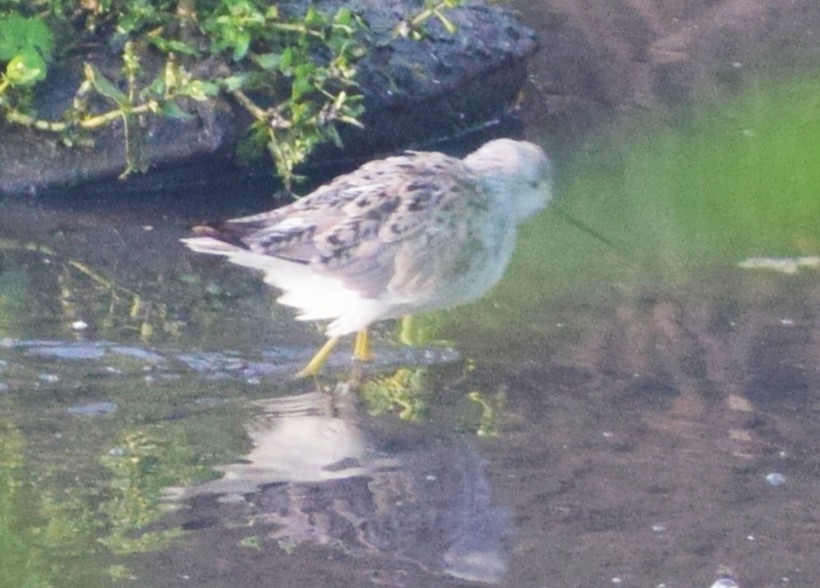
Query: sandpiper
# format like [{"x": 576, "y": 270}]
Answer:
[{"x": 406, "y": 234}]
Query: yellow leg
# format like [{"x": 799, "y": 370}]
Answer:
[
  {"x": 407, "y": 334},
  {"x": 315, "y": 364},
  {"x": 361, "y": 350}
]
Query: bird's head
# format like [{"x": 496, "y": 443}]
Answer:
[{"x": 518, "y": 173}]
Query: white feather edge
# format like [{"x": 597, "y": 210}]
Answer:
[{"x": 315, "y": 296}]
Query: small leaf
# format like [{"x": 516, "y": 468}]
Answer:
[
  {"x": 268, "y": 61},
  {"x": 301, "y": 86},
  {"x": 174, "y": 45},
  {"x": 351, "y": 121},
  {"x": 25, "y": 69},
  {"x": 157, "y": 87},
  {"x": 232, "y": 83},
  {"x": 313, "y": 17},
  {"x": 200, "y": 90},
  {"x": 286, "y": 60},
  {"x": 344, "y": 17},
  {"x": 103, "y": 85},
  {"x": 173, "y": 110},
  {"x": 333, "y": 134},
  {"x": 241, "y": 44}
]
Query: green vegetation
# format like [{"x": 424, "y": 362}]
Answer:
[
  {"x": 26, "y": 45},
  {"x": 405, "y": 393},
  {"x": 492, "y": 408},
  {"x": 293, "y": 74},
  {"x": 75, "y": 508}
]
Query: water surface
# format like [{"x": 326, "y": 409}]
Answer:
[{"x": 636, "y": 404}]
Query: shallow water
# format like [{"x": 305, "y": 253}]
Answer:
[{"x": 636, "y": 404}]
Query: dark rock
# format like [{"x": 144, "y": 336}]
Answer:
[
  {"x": 444, "y": 85},
  {"x": 415, "y": 93}
]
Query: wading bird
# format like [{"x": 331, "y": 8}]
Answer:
[{"x": 410, "y": 233}]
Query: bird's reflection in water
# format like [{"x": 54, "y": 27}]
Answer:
[{"x": 319, "y": 475}]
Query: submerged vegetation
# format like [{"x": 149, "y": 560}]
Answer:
[
  {"x": 293, "y": 73},
  {"x": 78, "y": 505}
]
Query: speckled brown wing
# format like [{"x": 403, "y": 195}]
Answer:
[
  {"x": 391, "y": 222},
  {"x": 296, "y": 231},
  {"x": 401, "y": 239}
]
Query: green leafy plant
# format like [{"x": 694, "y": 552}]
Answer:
[
  {"x": 293, "y": 73},
  {"x": 26, "y": 47},
  {"x": 278, "y": 52}
]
